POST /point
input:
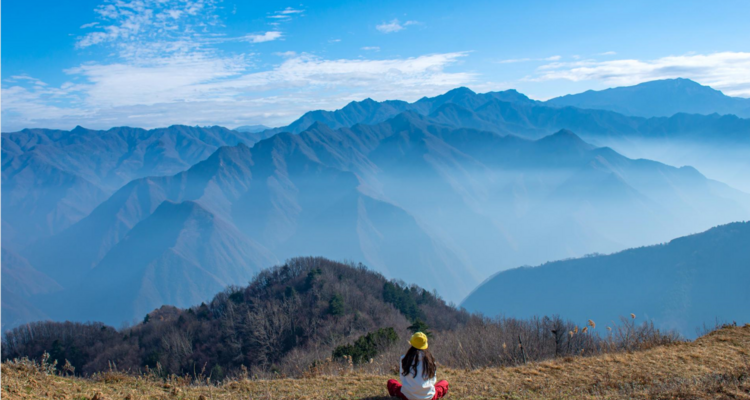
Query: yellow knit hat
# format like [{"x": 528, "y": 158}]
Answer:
[{"x": 418, "y": 340}]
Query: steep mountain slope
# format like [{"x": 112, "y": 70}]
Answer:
[
  {"x": 681, "y": 285},
  {"x": 180, "y": 255},
  {"x": 662, "y": 98},
  {"x": 71, "y": 254}
]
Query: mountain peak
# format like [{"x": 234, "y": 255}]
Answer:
[
  {"x": 565, "y": 137},
  {"x": 462, "y": 90}
]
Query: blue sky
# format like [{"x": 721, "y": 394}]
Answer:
[{"x": 201, "y": 62}]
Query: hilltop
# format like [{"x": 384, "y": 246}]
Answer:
[{"x": 713, "y": 367}]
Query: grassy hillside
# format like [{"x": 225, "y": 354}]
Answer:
[{"x": 714, "y": 366}]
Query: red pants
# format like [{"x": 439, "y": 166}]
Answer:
[{"x": 394, "y": 389}]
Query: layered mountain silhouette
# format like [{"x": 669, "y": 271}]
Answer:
[
  {"x": 683, "y": 285},
  {"x": 717, "y": 144},
  {"x": 410, "y": 197},
  {"x": 53, "y": 178},
  {"x": 512, "y": 112},
  {"x": 662, "y": 98},
  {"x": 443, "y": 191}
]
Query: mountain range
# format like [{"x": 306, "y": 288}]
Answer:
[
  {"x": 662, "y": 98},
  {"x": 444, "y": 191},
  {"x": 682, "y": 285},
  {"x": 716, "y": 144}
]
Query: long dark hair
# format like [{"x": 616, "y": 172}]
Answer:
[{"x": 410, "y": 360}]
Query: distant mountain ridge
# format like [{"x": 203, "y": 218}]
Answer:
[
  {"x": 251, "y": 128},
  {"x": 513, "y": 112},
  {"x": 681, "y": 285},
  {"x": 662, "y": 98},
  {"x": 715, "y": 144},
  {"x": 369, "y": 112}
]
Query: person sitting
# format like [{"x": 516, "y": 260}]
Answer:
[{"x": 418, "y": 373}]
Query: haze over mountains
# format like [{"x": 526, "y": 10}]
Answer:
[
  {"x": 680, "y": 285},
  {"x": 53, "y": 178},
  {"x": 443, "y": 192}
]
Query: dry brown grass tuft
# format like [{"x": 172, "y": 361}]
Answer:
[{"x": 714, "y": 366}]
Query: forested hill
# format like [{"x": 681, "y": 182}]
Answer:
[{"x": 309, "y": 305}]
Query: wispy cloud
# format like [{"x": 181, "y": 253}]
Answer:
[
  {"x": 260, "y": 38},
  {"x": 371, "y": 48},
  {"x": 727, "y": 71},
  {"x": 286, "y": 13},
  {"x": 290, "y": 10},
  {"x": 608, "y": 53},
  {"x": 32, "y": 80},
  {"x": 394, "y": 26}
]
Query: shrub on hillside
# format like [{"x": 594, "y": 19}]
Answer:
[{"x": 368, "y": 346}]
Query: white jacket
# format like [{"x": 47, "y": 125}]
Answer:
[{"x": 416, "y": 388}]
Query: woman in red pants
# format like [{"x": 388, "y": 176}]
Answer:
[{"x": 418, "y": 373}]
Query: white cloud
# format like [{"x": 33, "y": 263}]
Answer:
[
  {"x": 286, "y": 14},
  {"x": 206, "y": 89},
  {"x": 167, "y": 67},
  {"x": 266, "y": 37},
  {"x": 89, "y": 25},
  {"x": 514, "y": 60},
  {"x": 32, "y": 80},
  {"x": 726, "y": 71},
  {"x": 290, "y": 10},
  {"x": 138, "y": 24},
  {"x": 520, "y": 60},
  {"x": 371, "y": 48},
  {"x": 286, "y": 54},
  {"x": 608, "y": 53},
  {"x": 394, "y": 26}
]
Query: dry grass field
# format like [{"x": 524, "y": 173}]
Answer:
[{"x": 715, "y": 366}]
